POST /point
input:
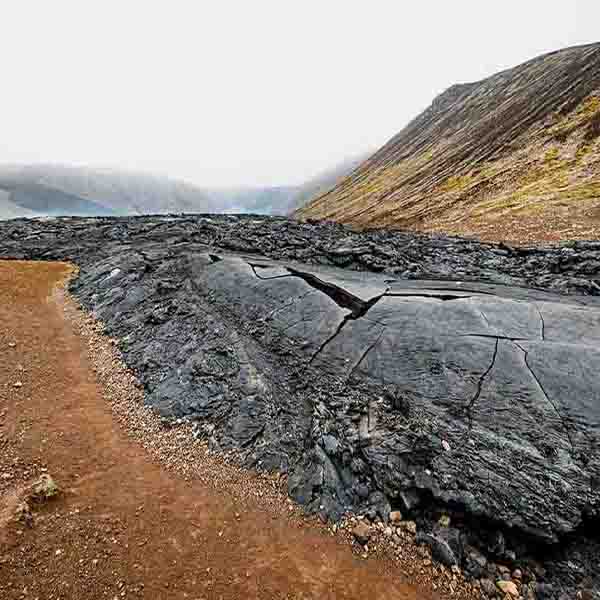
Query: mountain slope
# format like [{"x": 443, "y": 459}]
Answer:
[
  {"x": 59, "y": 190},
  {"x": 41, "y": 199},
  {"x": 270, "y": 200},
  {"x": 9, "y": 210},
  {"x": 53, "y": 190},
  {"x": 515, "y": 156},
  {"x": 324, "y": 181},
  {"x": 281, "y": 200}
]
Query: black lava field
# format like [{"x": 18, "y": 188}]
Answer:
[{"x": 377, "y": 370}]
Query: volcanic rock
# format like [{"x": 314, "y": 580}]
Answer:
[
  {"x": 350, "y": 381},
  {"x": 362, "y": 533},
  {"x": 509, "y": 588}
]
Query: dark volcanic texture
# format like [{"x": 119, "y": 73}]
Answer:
[
  {"x": 458, "y": 391},
  {"x": 515, "y": 156}
]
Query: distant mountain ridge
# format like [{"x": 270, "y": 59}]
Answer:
[
  {"x": 57, "y": 190},
  {"x": 326, "y": 180},
  {"x": 283, "y": 200},
  {"x": 514, "y": 156},
  {"x": 63, "y": 190},
  {"x": 39, "y": 198},
  {"x": 268, "y": 200}
]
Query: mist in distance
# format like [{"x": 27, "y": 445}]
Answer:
[{"x": 243, "y": 94}]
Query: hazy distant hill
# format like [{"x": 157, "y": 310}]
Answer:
[
  {"x": 515, "y": 156},
  {"x": 9, "y": 210},
  {"x": 325, "y": 181},
  {"x": 42, "y": 199},
  {"x": 258, "y": 200},
  {"x": 281, "y": 200},
  {"x": 36, "y": 190},
  {"x": 59, "y": 190}
]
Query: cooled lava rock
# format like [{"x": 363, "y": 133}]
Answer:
[{"x": 371, "y": 391}]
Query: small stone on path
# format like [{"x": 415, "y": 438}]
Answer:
[
  {"x": 395, "y": 516},
  {"x": 508, "y": 587},
  {"x": 362, "y": 533}
]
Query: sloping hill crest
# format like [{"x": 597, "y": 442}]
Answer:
[{"x": 515, "y": 156}]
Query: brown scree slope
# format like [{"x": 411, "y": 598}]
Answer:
[{"x": 513, "y": 157}]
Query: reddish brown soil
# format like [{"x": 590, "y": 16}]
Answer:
[{"x": 123, "y": 526}]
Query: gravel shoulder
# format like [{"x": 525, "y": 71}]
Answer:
[{"x": 145, "y": 510}]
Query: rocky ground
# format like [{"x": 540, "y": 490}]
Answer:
[
  {"x": 569, "y": 268},
  {"x": 443, "y": 384},
  {"x": 99, "y": 499}
]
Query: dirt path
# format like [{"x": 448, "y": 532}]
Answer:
[{"x": 124, "y": 526}]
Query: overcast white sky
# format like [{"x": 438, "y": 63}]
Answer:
[{"x": 249, "y": 92}]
